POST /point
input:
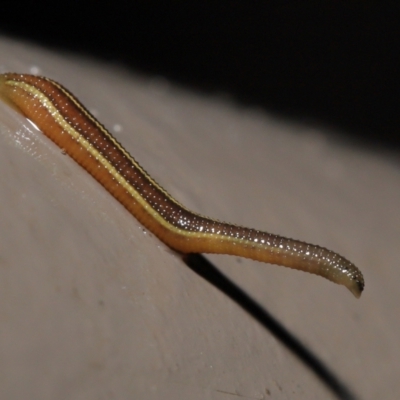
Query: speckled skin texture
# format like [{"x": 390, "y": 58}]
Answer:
[{"x": 65, "y": 121}]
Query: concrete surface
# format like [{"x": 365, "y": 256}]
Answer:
[{"x": 94, "y": 307}]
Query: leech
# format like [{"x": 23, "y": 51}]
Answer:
[{"x": 62, "y": 118}]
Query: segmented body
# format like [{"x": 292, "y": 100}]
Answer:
[{"x": 67, "y": 123}]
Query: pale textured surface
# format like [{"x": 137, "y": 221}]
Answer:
[{"x": 93, "y": 307}]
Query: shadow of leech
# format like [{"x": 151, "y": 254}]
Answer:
[{"x": 204, "y": 268}]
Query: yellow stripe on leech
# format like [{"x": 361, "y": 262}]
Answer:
[
  {"x": 118, "y": 145},
  {"x": 47, "y": 103}
]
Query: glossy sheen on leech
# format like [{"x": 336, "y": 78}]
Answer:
[{"x": 66, "y": 122}]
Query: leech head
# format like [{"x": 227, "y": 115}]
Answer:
[
  {"x": 345, "y": 273},
  {"x": 351, "y": 278},
  {"x": 357, "y": 288},
  {"x": 315, "y": 260},
  {"x": 356, "y": 284}
]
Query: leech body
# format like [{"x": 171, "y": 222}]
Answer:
[{"x": 66, "y": 122}]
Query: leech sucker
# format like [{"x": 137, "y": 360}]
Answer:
[{"x": 63, "y": 119}]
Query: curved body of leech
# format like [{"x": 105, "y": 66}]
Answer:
[{"x": 63, "y": 119}]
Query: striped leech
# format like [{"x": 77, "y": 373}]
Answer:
[{"x": 63, "y": 119}]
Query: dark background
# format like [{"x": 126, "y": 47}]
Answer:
[{"x": 334, "y": 63}]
